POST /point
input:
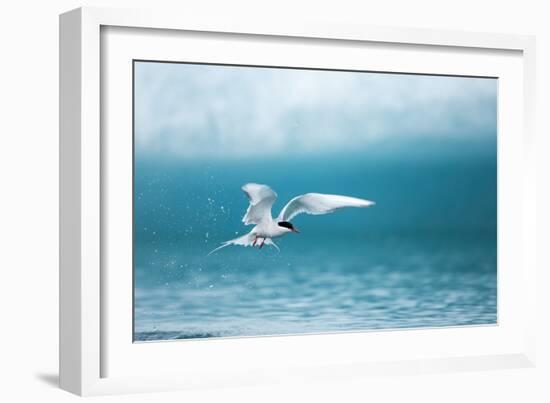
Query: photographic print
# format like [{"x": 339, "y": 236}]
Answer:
[{"x": 277, "y": 201}]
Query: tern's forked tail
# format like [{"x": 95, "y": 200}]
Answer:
[{"x": 245, "y": 240}]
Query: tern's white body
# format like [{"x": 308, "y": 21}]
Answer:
[
  {"x": 266, "y": 228},
  {"x": 269, "y": 229}
]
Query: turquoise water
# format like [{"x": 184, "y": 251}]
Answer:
[{"x": 423, "y": 256}]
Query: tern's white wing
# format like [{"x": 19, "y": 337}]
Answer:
[
  {"x": 318, "y": 203},
  {"x": 261, "y": 199}
]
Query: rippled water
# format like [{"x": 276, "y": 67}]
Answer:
[
  {"x": 317, "y": 285},
  {"x": 424, "y": 255}
]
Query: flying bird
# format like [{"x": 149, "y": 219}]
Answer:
[{"x": 262, "y": 197}]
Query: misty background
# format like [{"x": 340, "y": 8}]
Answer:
[{"x": 424, "y": 148}]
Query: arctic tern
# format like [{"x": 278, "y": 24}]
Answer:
[{"x": 262, "y": 197}]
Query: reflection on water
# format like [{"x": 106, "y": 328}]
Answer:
[{"x": 315, "y": 285}]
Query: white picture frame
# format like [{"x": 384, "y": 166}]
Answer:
[{"x": 96, "y": 356}]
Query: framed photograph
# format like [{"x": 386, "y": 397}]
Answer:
[{"x": 249, "y": 202}]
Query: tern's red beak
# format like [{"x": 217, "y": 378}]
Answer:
[{"x": 295, "y": 230}]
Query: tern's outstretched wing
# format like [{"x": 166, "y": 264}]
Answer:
[
  {"x": 261, "y": 199},
  {"x": 318, "y": 203}
]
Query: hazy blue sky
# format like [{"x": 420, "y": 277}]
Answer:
[{"x": 200, "y": 111}]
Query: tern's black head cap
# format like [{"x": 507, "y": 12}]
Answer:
[{"x": 286, "y": 224}]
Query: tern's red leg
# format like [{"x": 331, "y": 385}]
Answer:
[
  {"x": 262, "y": 244},
  {"x": 254, "y": 243}
]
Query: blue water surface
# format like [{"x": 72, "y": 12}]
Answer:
[{"x": 423, "y": 256}]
